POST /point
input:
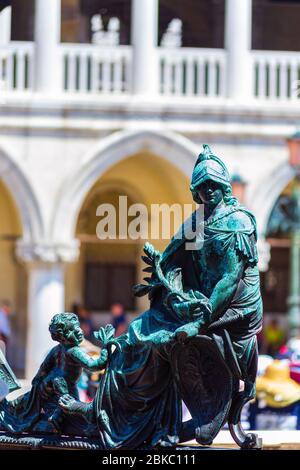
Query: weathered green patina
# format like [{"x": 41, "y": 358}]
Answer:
[{"x": 197, "y": 341}]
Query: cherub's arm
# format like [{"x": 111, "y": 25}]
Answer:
[
  {"x": 86, "y": 361},
  {"x": 105, "y": 335}
]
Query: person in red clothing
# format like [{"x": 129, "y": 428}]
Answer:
[{"x": 118, "y": 319}]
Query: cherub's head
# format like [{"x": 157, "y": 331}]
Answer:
[{"x": 65, "y": 328}]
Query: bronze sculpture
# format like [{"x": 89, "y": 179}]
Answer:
[{"x": 197, "y": 341}]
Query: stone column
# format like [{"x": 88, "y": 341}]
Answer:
[
  {"x": 144, "y": 32},
  {"x": 5, "y": 26},
  {"x": 45, "y": 298},
  {"x": 48, "y": 62},
  {"x": 46, "y": 295},
  {"x": 238, "y": 34},
  {"x": 264, "y": 253},
  {"x": 294, "y": 277},
  {"x": 294, "y": 288}
]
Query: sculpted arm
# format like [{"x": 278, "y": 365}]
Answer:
[
  {"x": 226, "y": 287},
  {"x": 87, "y": 362},
  {"x": 235, "y": 259}
]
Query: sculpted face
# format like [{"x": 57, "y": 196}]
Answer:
[
  {"x": 75, "y": 334},
  {"x": 210, "y": 193}
]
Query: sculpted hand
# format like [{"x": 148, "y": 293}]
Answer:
[
  {"x": 193, "y": 310},
  {"x": 183, "y": 308},
  {"x": 186, "y": 331},
  {"x": 201, "y": 312},
  {"x": 105, "y": 335}
]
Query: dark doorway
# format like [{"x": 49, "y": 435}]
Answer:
[
  {"x": 109, "y": 283},
  {"x": 275, "y": 25},
  {"x": 275, "y": 282}
]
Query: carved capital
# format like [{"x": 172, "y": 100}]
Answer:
[{"x": 48, "y": 252}]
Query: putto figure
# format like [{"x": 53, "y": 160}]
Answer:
[
  {"x": 57, "y": 376},
  {"x": 197, "y": 342}
]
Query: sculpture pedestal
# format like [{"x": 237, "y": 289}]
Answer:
[
  {"x": 26, "y": 441},
  {"x": 55, "y": 442}
]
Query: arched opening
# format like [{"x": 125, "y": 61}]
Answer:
[
  {"x": 275, "y": 282},
  {"x": 12, "y": 278},
  {"x": 107, "y": 269},
  {"x": 21, "y": 227},
  {"x": 177, "y": 150},
  {"x": 264, "y": 195}
]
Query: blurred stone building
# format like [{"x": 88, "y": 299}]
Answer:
[{"x": 101, "y": 98}]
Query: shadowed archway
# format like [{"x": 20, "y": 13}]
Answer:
[{"x": 175, "y": 149}]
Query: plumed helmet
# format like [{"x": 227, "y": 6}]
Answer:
[{"x": 209, "y": 167}]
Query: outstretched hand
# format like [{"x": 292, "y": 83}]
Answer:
[
  {"x": 105, "y": 335},
  {"x": 192, "y": 310}
]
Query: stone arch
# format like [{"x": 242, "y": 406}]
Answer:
[
  {"x": 175, "y": 149},
  {"x": 266, "y": 197},
  {"x": 23, "y": 196}
]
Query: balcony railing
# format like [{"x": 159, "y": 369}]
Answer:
[
  {"x": 91, "y": 69},
  {"x": 191, "y": 72},
  {"x": 16, "y": 66},
  {"x": 276, "y": 75}
]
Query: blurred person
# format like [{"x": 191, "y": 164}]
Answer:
[
  {"x": 274, "y": 336},
  {"x": 88, "y": 382},
  {"x": 294, "y": 346},
  {"x": 118, "y": 319},
  {"x": 294, "y": 367},
  {"x": 293, "y": 354},
  {"x": 82, "y": 387},
  {"x": 284, "y": 352},
  {"x": 5, "y": 328},
  {"x": 75, "y": 308},
  {"x": 277, "y": 404},
  {"x": 290, "y": 350},
  {"x": 85, "y": 320}
]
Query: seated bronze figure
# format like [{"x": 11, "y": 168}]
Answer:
[{"x": 196, "y": 343}]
